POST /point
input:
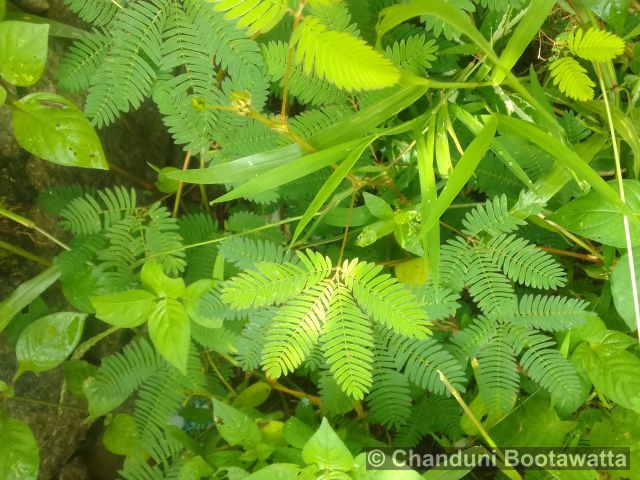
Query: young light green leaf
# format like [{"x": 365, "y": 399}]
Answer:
[
  {"x": 329, "y": 187},
  {"x": 26, "y": 293},
  {"x": 572, "y": 79},
  {"x": 596, "y": 45},
  {"x": 235, "y": 427},
  {"x": 127, "y": 309},
  {"x": 326, "y": 450},
  {"x": 170, "y": 332},
  {"x": 46, "y": 343},
  {"x": 19, "y": 457},
  {"x": 343, "y": 59},
  {"x": 257, "y": 17},
  {"x": 53, "y": 128},
  {"x": 153, "y": 277},
  {"x": 3, "y": 95},
  {"x": 23, "y": 52}
]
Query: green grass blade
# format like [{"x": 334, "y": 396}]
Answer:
[
  {"x": 240, "y": 169},
  {"x": 425, "y": 150},
  {"x": 329, "y": 187},
  {"x": 565, "y": 156},
  {"x": 461, "y": 173},
  {"x": 292, "y": 170},
  {"x": 526, "y": 30}
]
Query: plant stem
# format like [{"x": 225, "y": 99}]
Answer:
[
  {"x": 185, "y": 165},
  {"x": 454, "y": 392},
  {"x": 85, "y": 346},
  {"x": 23, "y": 253},
  {"x": 25, "y": 222},
  {"x": 121, "y": 171},
  {"x": 346, "y": 229},
  {"x": 295, "y": 393},
  {"x": 43, "y": 403},
  {"x": 215, "y": 368}
]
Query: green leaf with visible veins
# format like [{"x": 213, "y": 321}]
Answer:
[
  {"x": 126, "y": 309},
  {"x": 170, "y": 332},
  {"x": 19, "y": 458},
  {"x": 326, "y": 450},
  {"x": 53, "y": 128},
  {"x": 46, "y": 343},
  {"x": 596, "y": 218}
]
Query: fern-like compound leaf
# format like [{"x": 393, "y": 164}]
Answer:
[
  {"x": 304, "y": 87},
  {"x": 594, "y": 44},
  {"x": 493, "y": 218},
  {"x": 82, "y": 60},
  {"x": 87, "y": 215},
  {"x": 245, "y": 252},
  {"x": 413, "y": 54},
  {"x": 273, "y": 283},
  {"x": 572, "y": 78},
  {"x": 545, "y": 364},
  {"x": 347, "y": 343},
  {"x": 341, "y": 58},
  {"x": 251, "y": 340},
  {"x": 498, "y": 378},
  {"x": 420, "y": 361},
  {"x": 295, "y": 329},
  {"x": 455, "y": 260},
  {"x": 270, "y": 283},
  {"x": 492, "y": 291},
  {"x": 552, "y": 313},
  {"x": 119, "y": 376},
  {"x": 97, "y": 12},
  {"x": 257, "y": 16},
  {"x": 385, "y": 299},
  {"x": 125, "y": 79},
  {"x": 334, "y": 400},
  {"x": 524, "y": 263},
  {"x": 475, "y": 336},
  {"x": 390, "y": 397}
]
